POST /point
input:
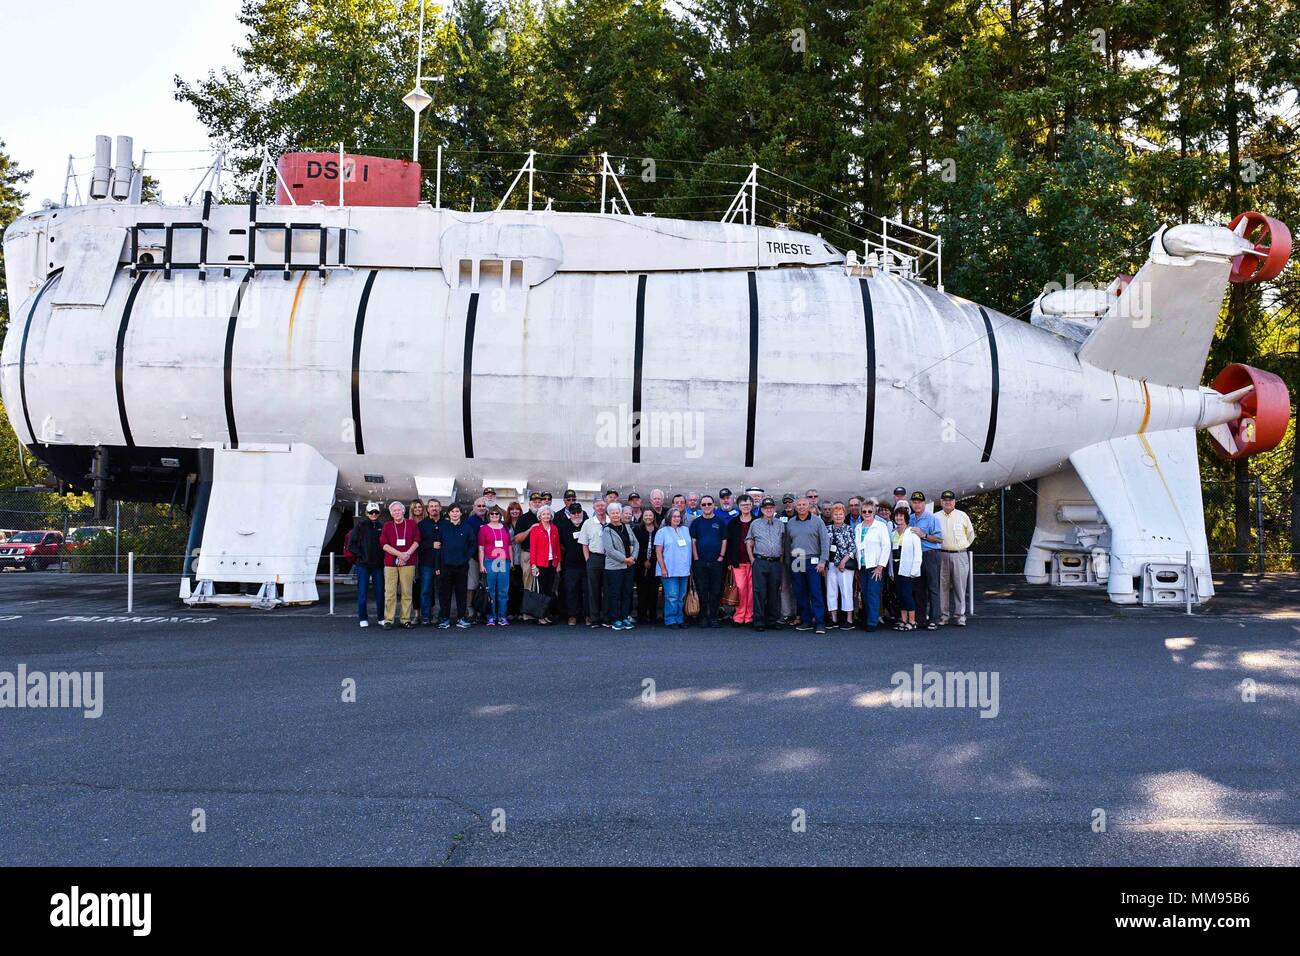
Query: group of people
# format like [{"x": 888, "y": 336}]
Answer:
[{"x": 861, "y": 563}]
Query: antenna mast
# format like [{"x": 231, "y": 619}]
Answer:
[{"x": 417, "y": 99}]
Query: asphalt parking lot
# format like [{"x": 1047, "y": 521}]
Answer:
[{"x": 545, "y": 745}]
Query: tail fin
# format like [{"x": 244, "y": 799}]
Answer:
[{"x": 1160, "y": 327}]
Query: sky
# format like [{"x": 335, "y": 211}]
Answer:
[{"x": 75, "y": 68}]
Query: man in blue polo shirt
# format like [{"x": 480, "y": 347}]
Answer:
[
  {"x": 927, "y": 598},
  {"x": 726, "y": 505},
  {"x": 708, "y": 559}
]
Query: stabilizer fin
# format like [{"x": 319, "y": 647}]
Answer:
[{"x": 1148, "y": 487}]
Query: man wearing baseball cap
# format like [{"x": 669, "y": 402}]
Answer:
[
  {"x": 931, "y": 532},
  {"x": 726, "y": 506},
  {"x": 573, "y": 566},
  {"x": 767, "y": 549},
  {"x": 521, "y": 529},
  {"x": 788, "y": 605},
  {"x": 954, "y": 569},
  {"x": 363, "y": 550}
]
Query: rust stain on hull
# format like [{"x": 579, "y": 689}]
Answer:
[{"x": 293, "y": 312}]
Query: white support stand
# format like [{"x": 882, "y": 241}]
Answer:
[
  {"x": 266, "y": 522},
  {"x": 268, "y": 165},
  {"x": 606, "y": 175},
  {"x": 529, "y": 167},
  {"x": 744, "y": 207},
  {"x": 1128, "y": 515}
]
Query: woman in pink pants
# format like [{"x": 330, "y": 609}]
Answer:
[{"x": 738, "y": 560}]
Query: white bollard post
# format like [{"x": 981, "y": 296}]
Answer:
[
  {"x": 332, "y": 582},
  {"x": 970, "y": 584},
  {"x": 130, "y": 582}
]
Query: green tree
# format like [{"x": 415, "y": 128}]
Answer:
[
  {"x": 13, "y": 456},
  {"x": 12, "y": 198}
]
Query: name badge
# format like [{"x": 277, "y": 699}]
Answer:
[
  {"x": 577, "y": 535},
  {"x": 401, "y": 542},
  {"x": 681, "y": 544},
  {"x": 834, "y": 548},
  {"x": 812, "y": 561}
]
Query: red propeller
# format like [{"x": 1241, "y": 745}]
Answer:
[
  {"x": 1265, "y": 410},
  {"x": 1272, "y": 241}
]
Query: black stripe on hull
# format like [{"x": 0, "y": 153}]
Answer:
[
  {"x": 227, "y": 373},
  {"x": 22, "y": 354},
  {"x": 753, "y": 371},
  {"x": 638, "y": 348},
  {"x": 118, "y": 360},
  {"x": 997, "y": 384},
  {"x": 869, "y": 429},
  {"x": 467, "y": 375},
  {"x": 357, "y": 331}
]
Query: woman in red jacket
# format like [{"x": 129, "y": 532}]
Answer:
[{"x": 545, "y": 554}]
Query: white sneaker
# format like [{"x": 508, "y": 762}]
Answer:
[{"x": 364, "y": 623}]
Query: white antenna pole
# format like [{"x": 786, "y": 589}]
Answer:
[
  {"x": 419, "y": 47},
  {"x": 531, "y": 154},
  {"x": 66, "y": 177},
  {"x": 340, "y": 173},
  {"x": 437, "y": 189},
  {"x": 216, "y": 178},
  {"x": 753, "y": 193},
  {"x": 604, "y": 165},
  {"x": 419, "y": 68}
]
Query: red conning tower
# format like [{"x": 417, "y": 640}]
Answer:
[{"x": 367, "y": 180}]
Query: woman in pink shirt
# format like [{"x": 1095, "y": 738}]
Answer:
[
  {"x": 544, "y": 553},
  {"x": 494, "y": 562}
]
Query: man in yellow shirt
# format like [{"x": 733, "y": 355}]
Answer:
[{"x": 954, "y": 567}]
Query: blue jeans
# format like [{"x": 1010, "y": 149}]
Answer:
[
  {"x": 498, "y": 589},
  {"x": 871, "y": 589},
  {"x": 809, "y": 596},
  {"x": 426, "y": 591},
  {"x": 674, "y": 594},
  {"x": 370, "y": 579}
]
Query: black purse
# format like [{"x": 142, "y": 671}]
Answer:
[
  {"x": 481, "y": 603},
  {"x": 534, "y": 602}
]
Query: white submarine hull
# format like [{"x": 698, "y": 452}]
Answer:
[{"x": 425, "y": 352}]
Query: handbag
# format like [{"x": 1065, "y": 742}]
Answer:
[
  {"x": 731, "y": 593},
  {"x": 691, "y": 606},
  {"x": 482, "y": 604},
  {"x": 533, "y": 602}
]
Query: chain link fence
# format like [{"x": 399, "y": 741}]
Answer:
[
  {"x": 47, "y": 532},
  {"x": 1004, "y": 526}
]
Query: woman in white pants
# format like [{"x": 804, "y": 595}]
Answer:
[{"x": 840, "y": 569}]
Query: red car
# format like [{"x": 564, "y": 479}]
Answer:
[{"x": 33, "y": 550}]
